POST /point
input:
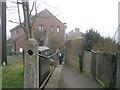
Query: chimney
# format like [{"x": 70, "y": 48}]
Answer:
[{"x": 77, "y": 30}]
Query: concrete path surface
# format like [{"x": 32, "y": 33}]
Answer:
[
  {"x": 74, "y": 79},
  {"x": 13, "y": 59}
]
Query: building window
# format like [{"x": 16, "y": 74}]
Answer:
[
  {"x": 21, "y": 50},
  {"x": 58, "y": 29},
  {"x": 41, "y": 28},
  {"x": 52, "y": 29}
]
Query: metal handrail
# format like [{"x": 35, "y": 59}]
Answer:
[
  {"x": 44, "y": 56},
  {"x": 47, "y": 78},
  {"x": 42, "y": 86}
]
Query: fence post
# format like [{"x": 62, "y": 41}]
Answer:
[
  {"x": 93, "y": 64},
  {"x": 31, "y": 64},
  {"x": 98, "y": 58}
]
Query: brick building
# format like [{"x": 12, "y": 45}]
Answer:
[
  {"x": 74, "y": 34},
  {"x": 46, "y": 23}
]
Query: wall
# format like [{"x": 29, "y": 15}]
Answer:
[
  {"x": 46, "y": 19},
  {"x": 93, "y": 64},
  {"x": 87, "y": 62},
  {"x": 101, "y": 66},
  {"x": 118, "y": 70},
  {"x": 73, "y": 34},
  {"x": 20, "y": 44},
  {"x": 106, "y": 68},
  {"x": 72, "y": 49},
  {"x": 56, "y": 80}
]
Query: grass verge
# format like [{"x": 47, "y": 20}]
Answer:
[{"x": 12, "y": 75}]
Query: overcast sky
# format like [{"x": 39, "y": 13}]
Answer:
[{"x": 101, "y": 15}]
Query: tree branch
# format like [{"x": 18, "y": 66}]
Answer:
[
  {"x": 32, "y": 8},
  {"x": 34, "y": 16},
  {"x": 20, "y": 18}
]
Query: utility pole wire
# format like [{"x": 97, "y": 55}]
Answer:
[
  {"x": 38, "y": 5},
  {"x": 14, "y": 22},
  {"x": 12, "y": 7},
  {"x": 48, "y": 4},
  {"x": 11, "y": 13},
  {"x": 13, "y": 2}
]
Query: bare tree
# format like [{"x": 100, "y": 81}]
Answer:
[
  {"x": 40, "y": 37},
  {"x": 25, "y": 15},
  {"x": 56, "y": 42},
  {"x": 27, "y": 23}
]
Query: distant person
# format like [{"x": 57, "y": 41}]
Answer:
[{"x": 60, "y": 58}]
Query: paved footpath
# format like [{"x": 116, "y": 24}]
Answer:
[
  {"x": 13, "y": 59},
  {"x": 73, "y": 79}
]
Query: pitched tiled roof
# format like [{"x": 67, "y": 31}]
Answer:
[{"x": 40, "y": 13}]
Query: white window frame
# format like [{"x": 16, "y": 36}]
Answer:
[
  {"x": 58, "y": 29},
  {"x": 52, "y": 29},
  {"x": 41, "y": 28}
]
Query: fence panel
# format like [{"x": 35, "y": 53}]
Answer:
[
  {"x": 87, "y": 62},
  {"x": 106, "y": 69},
  {"x": 118, "y": 70},
  {"x": 99, "y": 63},
  {"x": 93, "y": 64}
]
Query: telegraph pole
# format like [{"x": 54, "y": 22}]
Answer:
[
  {"x": 0, "y": 33},
  {"x": 3, "y": 50}
]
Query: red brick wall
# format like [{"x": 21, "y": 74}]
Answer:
[
  {"x": 20, "y": 44},
  {"x": 47, "y": 20},
  {"x": 14, "y": 33}
]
